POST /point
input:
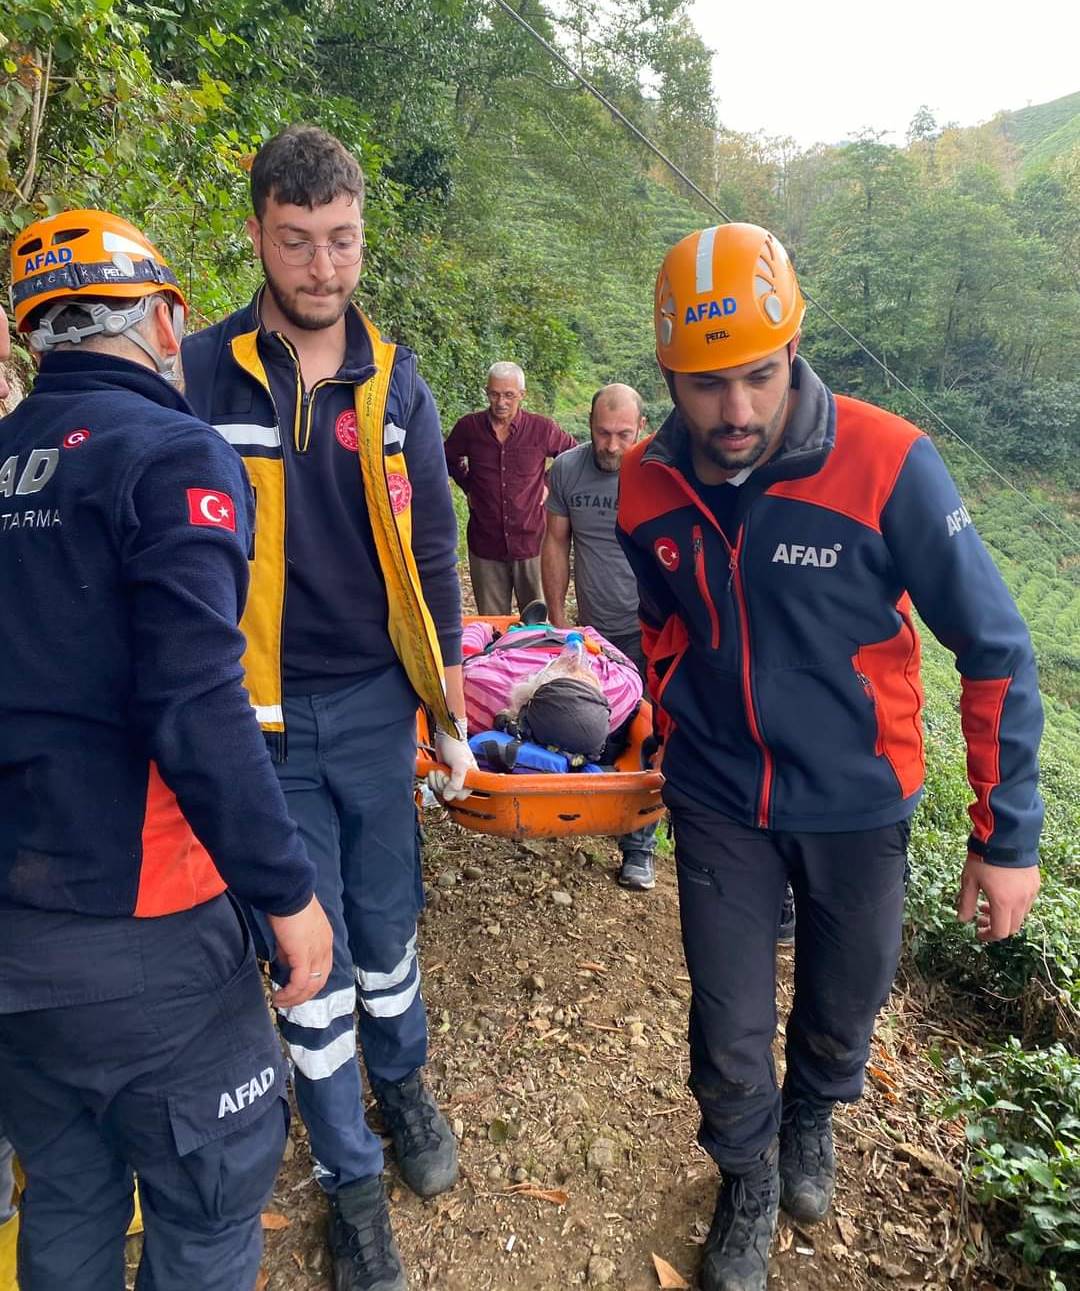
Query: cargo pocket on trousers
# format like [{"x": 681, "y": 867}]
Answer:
[
  {"x": 85, "y": 966},
  {"x": 229, "y": 1129},
  {"x": 698, "y": 875}
]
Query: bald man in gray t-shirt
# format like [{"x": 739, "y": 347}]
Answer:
[{"x": 583, "y": 495}]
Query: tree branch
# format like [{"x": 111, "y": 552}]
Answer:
[{"x": 37, "y": 120}]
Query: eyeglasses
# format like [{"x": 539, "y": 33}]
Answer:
[{"x": 298, "y": 252}]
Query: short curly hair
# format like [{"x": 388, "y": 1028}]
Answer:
[{"x": 304, "y": 166}]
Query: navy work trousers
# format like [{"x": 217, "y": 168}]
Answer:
[
  {"x": 348, "y": 784},
  {"x": 849, "y": 892},
  {"x": 139, "y": 1045}
]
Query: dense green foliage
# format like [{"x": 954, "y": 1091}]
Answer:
[
  {"x": 1023, "y": 1123},
  {"x": 1029, "y": 1162},
  {"x": 510, "y": 217},
  {"x": 1044, "y": 131}
]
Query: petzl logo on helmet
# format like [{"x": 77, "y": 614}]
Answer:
[
  {"x": 667, "y": 553},
  {"x": 47, "y": 259},
  {"x": 208, "y": 507},
  {"x": 711, "y": 309},
  {"x": 345, "y": 430}
]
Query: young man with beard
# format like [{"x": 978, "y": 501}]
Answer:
[
  {"x": 781, "y": 536},
  {"x": 354, "y": 618},
  {"x": 583, "y": 493}
]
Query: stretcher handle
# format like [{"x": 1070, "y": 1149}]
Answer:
[{"x": 426, "y": 761}]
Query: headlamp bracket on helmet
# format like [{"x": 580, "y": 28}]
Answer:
[{"x": 107, "y": 320}]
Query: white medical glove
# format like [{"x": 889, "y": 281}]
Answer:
[{"x": 455, "y": 752}]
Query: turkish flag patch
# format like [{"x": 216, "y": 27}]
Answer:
[
  {"x": 209, "y": 507},
  {"x": 667, "y": 553}
]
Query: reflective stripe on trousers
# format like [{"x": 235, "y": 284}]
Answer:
[{"x": 348, "y": 784}]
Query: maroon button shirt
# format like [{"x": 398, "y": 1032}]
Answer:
[{"x": 504, "y": 482}]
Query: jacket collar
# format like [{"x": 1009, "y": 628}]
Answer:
[
  {"x": 358, "y": 365},
  {"x": 69, "y": 372},
  {"x": 808, "y": 439}
]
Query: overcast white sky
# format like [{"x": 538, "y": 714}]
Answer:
[{"x": 820, "y": 70}]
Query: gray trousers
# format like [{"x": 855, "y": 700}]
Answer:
[{"x": 494, "y": 582}]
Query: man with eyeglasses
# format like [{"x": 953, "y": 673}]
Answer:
[
  {"x": 498, "y": 459},
  {"x": 354, "y": 617}
]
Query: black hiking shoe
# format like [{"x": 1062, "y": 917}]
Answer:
[
  {"x": 737, "y": 1247},
  {"x": 361, "y": 1243},
  {"x": 533, "y": 613},
  {"x": 637, "y": 871},
  {"x": 424, "y": 1143},
  {"x": 785, "y": 934},
  {"x": 807, "y": 1160}
]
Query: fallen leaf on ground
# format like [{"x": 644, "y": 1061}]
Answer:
[
  {"x": 930, "y": 1163},
  {"x": 592, "y": 966},
  {"x": 670, "y": 1278},
  {"x": 261, "y": 1280},
  {"x": 555, "y": 1195},
  {"x": 270, "y": 1220}
]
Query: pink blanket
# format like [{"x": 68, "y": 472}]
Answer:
[{"x": 490, "y": 677}]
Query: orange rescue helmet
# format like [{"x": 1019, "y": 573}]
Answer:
[
  {"x": 85, "y": 253},
  {"x": 725, "y": 296}
]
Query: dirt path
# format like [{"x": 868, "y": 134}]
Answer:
[{"x": 558, "y": 1012}]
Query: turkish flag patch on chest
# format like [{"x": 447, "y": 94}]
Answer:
[{"x": 206, "y": 506}]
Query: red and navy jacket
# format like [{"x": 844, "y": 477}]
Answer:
[
  {"x": 134, "y": 779},
  {"x": 785, "y": 663}
]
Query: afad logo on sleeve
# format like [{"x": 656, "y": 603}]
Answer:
[{"x": 208, "y": 507}]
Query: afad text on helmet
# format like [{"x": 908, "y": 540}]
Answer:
[
  {"x": 48, "y": 259},
  {"x": 710, "y": 309}
]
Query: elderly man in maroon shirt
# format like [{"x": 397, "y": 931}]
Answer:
[{"x": 498, "y": 458}]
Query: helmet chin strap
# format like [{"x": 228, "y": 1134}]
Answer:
[{"x": 106, "y": 321}]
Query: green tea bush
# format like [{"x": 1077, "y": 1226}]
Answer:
[{"x": 1022, "y": 1114}]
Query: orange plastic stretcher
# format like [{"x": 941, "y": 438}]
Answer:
[{"x": 555, "y": 806}]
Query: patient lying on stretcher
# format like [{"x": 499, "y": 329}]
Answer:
[{"x": 540, "y": 698}]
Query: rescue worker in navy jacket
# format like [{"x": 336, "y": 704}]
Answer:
[
  {"x": 781, "y": 535},
  {"x": 354, "y": 619},
  {"x": 134, "y": 785},
  {"x": 9, "y": 1217}
]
